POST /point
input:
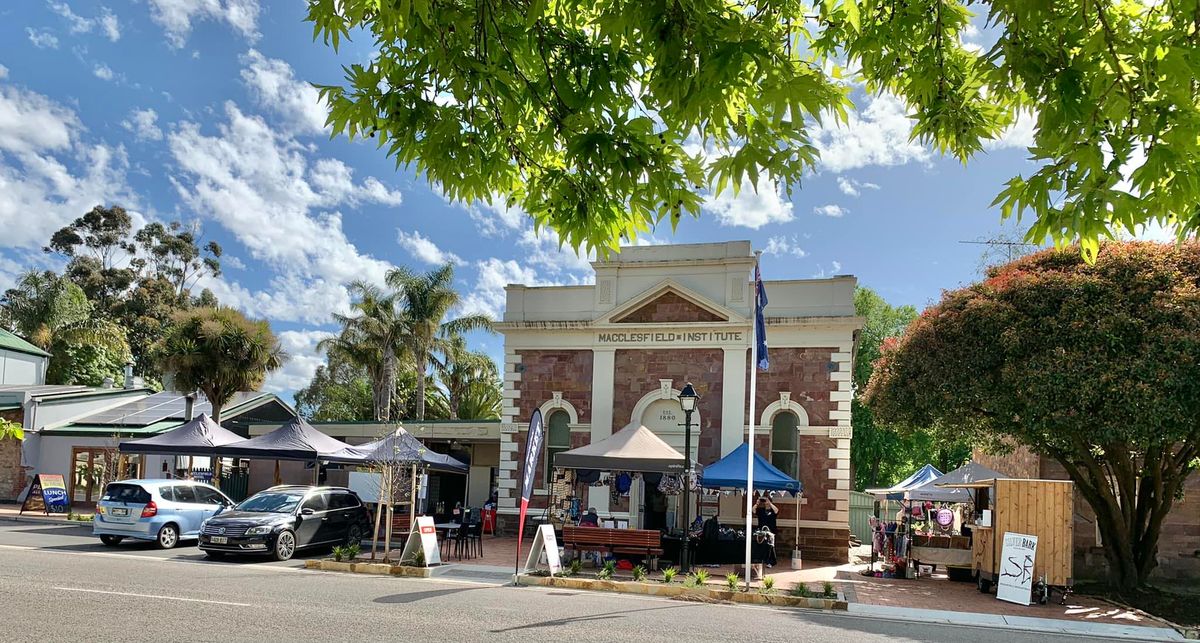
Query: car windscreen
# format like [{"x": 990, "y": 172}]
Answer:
[
  {"x": 272, "y": 502},
  {"x": 123, "y": 492}
]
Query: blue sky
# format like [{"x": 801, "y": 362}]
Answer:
[{"x": 200, "y": 110}]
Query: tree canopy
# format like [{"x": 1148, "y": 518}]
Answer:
[
  {"x": 603, "y": 118},
  {"x": 219, "y": 352},
  {"x": 1095, "y": 366},
  {"x": 881, "y": 455}
]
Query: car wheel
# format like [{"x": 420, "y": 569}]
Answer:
[
  {"x": 168, "y": 536},
  {"x": 285, "y": 545},
  {"x": 214, "y": 555},
  {"x": 111, "y": 541},
  {"x": 354, "y": 535}
]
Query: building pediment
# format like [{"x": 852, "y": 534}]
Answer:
[{"x": 669, "y": 303}]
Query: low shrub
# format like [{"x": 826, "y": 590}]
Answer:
[
  {"x": 828, "y": 590},
  {"x": 669, "y": 575},
  {"x": 768, "y": 585},
  {"x": 732, "y": 581},
  {"x": 575, "y": 567},
  {"x": 801, "y": 590},
  {"x": 701, "y": 576},
  {"x": 606, "y": 572},
  {"x": 639, "y": 573}
]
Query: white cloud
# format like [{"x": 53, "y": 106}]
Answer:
[
  {"x": 878, "y": 134},
  {"x": 275, "y": 87},
  {"x": 835, "y": 268},
  {"x": 103, "y": 72},
  {"x": 144, "y": 125},
  {"x": 496, "y": 219},
  {"x": 302, "y": 363},
  {"x": 42, "y": 39},
  {"x": 751, "y": 208},
  {"x": 48, "y": 175},
  {"x": 3, "y": 72},
  {"x": 424, "y": 250},
  {"x": 782, "y": 245},
  {"x": 854, "y": 187},
  {"x": 176, "y": 16},
  {"x": 1018, "y": 135},
  {"x": 830, "y": 210},
  {"x": 560, "y": 260},
  {"x": 494, "y": 274},
  {"x": 260, "y": 184},
  {"x": 106, "y": 22}
]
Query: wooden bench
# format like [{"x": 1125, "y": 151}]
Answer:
[{"x": 646, "y": 543}]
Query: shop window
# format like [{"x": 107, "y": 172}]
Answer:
[
  {"x": 558, "y": 439},
  {"x": 785, "y": 443}
]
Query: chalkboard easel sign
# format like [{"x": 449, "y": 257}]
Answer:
[{"x": 47, "y": 494}]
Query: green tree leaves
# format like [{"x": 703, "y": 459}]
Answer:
[
  {"x": 218, "y": 351},
  {"x": 1096, "y": 366},
  {"x": 603, "y": 118}
]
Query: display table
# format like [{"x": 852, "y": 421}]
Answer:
[{"x": 948, "y": 551}]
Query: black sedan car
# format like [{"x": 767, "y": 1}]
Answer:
[{"x": 281, "y": 520}]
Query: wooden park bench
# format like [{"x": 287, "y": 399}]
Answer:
[{"x": 644, "y": 543}]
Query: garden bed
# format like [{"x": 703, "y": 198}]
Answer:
[
  {"x": 368, "y": 567},
  {"x": 685, "y": 592}
]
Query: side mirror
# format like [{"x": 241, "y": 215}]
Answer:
[{"x": 306, "y": 512}]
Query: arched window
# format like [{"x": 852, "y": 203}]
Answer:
[
  {"x": 785, "y": 443},
  {"x": 558, "y": 439}
]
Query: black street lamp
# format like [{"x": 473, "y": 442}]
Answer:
[{"x": 687, "y": 402}]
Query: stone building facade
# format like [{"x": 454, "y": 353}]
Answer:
[
  {"x": 618, "y": 352},
  {"x": 1178, "y": 543}
]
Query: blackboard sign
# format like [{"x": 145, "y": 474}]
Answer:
[{"x": 47, "y": 494}]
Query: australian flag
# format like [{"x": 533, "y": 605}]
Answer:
[{"x": 760, "y": 321}]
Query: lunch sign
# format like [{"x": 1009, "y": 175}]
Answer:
[{"x": 47, "y": 494}]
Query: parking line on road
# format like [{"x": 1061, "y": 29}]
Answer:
[{"x": 155, "y": 596}]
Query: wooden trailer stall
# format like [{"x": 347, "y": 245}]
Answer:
[{"x": 1042, "y": 508}]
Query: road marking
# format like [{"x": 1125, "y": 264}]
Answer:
[
  {"x": 155, "y": 596},
  {"x": 153, "y": 559}
]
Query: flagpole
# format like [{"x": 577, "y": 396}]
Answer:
[{"x": 750, "y": 427}]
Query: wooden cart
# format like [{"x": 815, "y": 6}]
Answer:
[{"x": 1042, "y": 508}]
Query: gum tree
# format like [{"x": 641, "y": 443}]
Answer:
[
  {"x": 1095, "y": 366},
  {"x": 603, "y": 118}
]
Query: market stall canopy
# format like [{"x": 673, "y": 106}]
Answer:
[
  {"x": 296, "y": 440},
  {"x": 401, "y": 447},
  {"x": 923, "y": 475},
  {"x": 730, "y": 472},
  {"x": 200, "y": 436},
  {"x": 633, "y": 448},
  {"x": 936, "y": 490}
]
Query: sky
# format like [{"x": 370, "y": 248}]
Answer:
[{"x": 201, "y": 110}]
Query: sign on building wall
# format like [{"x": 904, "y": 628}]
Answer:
[
  {"x": 1016, "y": 568},
  {"x": 681, "y": 338}
]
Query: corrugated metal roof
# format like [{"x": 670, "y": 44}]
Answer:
[
  {"x": 109, "y": 430},
  {"x": 9, "y": 341},
  {"x": 167, "y": 405}
]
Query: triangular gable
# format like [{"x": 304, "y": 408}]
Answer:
[{"x": 668, "y": 302}]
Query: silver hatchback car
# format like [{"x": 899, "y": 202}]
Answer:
[{"x": 162, "y": 511}]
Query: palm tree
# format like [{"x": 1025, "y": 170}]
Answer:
[
  {"x": 219, "y": 352},
  {"x": 56, "y": 316},
  {"x": 459, "y": 370},
  {"x": 372, "y": 338},
  {"x": 427, "y": 299}
]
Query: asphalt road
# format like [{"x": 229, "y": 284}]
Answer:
[{"x": 61, "y": 584}]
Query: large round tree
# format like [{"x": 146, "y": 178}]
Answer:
[
  {"x": 1095, "y": 366},
  {"x": 219, "y": 352}
]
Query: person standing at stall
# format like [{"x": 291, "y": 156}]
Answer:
[{"x": 767, "y": 515}]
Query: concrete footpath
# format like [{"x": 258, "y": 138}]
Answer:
[{"x": 1020, "y": 623}]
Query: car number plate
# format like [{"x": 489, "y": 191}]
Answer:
[
  {"x": 120, "y": 511},
  {"x": 220, "y": 540}
]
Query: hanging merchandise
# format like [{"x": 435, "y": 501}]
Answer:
[
  {"x": 670, "y": 486},
  {"x": 624, "y": 482}
]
